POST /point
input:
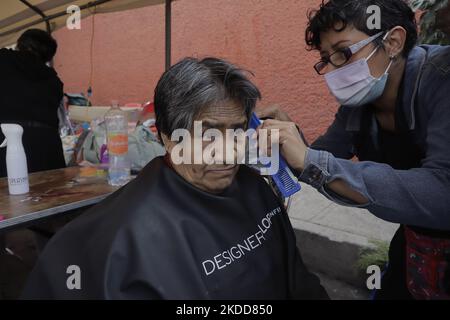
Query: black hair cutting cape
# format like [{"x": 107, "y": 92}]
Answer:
[{"x": 159, "y": 237}]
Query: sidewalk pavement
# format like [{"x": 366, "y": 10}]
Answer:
[{"x": 331, "y": 236}]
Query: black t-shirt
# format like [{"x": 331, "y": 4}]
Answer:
[{"x": 29, "y": 89}]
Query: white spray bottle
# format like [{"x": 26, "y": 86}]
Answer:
[{"x": 16, "y": 161}]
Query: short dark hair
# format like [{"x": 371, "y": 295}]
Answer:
[
  {"x": 338, "y": 14},
  {"x": 38, "y": 42},
  {"x": 192, "y": 85}
]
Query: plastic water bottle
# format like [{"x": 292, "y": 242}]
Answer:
[
  {"x": 16, "y": 160},
  {"x": 117, "y": 141}
]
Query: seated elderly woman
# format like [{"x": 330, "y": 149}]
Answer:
[{"x": 181, "y": 230}]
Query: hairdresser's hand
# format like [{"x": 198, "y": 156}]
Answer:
[
  {"x": 273, "y": 112},
  {"x": 292, "y": 146}
]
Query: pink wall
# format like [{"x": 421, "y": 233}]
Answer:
[{"x": 264, "y": 36}]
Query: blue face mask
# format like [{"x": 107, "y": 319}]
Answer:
[{"x": 354, "y": 85}]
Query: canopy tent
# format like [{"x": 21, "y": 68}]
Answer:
[{"x": 18, "y": 15}]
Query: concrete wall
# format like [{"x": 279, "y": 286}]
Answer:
[{"x": 264, "y": 36}]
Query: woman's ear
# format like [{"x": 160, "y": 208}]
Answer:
[{"x": 395, "y": 42}]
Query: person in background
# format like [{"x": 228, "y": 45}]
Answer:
[{"x": 30, "y": 95}]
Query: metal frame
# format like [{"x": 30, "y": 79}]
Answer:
[
  {"x": 39, "y": 12},
  {"x": 47, "y": 19}
]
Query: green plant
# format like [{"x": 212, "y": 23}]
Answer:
[
  {"x": 434, "y": 21},
  {"x": 377, "y": 254}
]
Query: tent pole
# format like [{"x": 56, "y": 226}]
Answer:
[
  {"x": 39, "y": 12},
  {"x": 168, "y": 33}
]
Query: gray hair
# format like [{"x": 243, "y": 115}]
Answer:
[{"x": 192, "y": 85}]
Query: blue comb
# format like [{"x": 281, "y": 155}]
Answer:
[{"x": 286, "y": 182}]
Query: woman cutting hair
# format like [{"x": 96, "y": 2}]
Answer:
[{"x": 395, "y": 119}]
